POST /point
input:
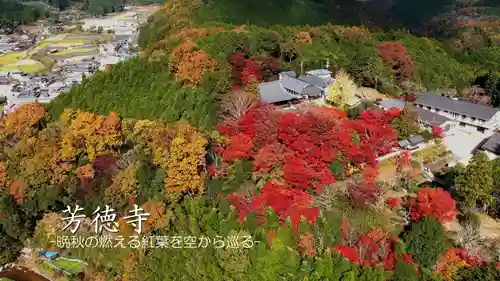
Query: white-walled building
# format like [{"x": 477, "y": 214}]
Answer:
[{"x": 468, "y": 115}]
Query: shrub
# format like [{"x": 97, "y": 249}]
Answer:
[
  {"x": 426, "y": 241},
  {"x": 434, "y": 202},
  {"x": 490, "y": 273},
  {"x": 470, "y": 218}
]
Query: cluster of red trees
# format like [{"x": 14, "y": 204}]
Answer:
[
  {"x": 300, "y": 147},
  {"x": 434, "y": 202},
  {"x": 395, "y": 55},
  {"x": 374, "y": 248},
  {"x": 286, "y": 202},
  {"x": 246, "y": 69}
]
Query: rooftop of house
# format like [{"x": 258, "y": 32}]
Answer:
[
  {"x": 431, "y": 118},
  {"x": 414, "y": 140},
  {"x": 293, "y": 84},
  {"x": 273, "y": 92},
  {"x": 277, "y": 91},
  {"x": 492, "y": 144},
  {"x": 388, "y": 104},
  {"x": 456, "y": 106},
  {"x": 319, "y": 72},
  {"x": 313, "y": 80}
]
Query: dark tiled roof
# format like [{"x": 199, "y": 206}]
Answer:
[
  {"x": 431, "y": 118},
  {"x": 492, "y": 144},
  {"x": 460, "y": 107},
  {"x": 293, "y": 84},
  {"x": 389, "y": 104},
  {"x": 273, "y": 92},
  {"x": 314, "y": 80},
  {"x": 414, "y": 140}
]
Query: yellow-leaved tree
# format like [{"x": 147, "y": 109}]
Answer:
[
  {"x": 341, "y": 90},
  {"x": 185, "y": 161}
]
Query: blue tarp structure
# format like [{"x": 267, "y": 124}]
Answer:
[{"x": 48, "y": 254}]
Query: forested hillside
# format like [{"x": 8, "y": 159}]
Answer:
[
  {"x": 393, "y": 62},
  {"x": 13, "y": 12}
]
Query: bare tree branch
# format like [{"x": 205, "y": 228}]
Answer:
[{"x": 235, "y": 105}]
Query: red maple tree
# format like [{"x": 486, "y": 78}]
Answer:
[
  {"x": 364, "y": 191},
  {"x": 298, "y": 148},
  {"x": 287, "y": 203},
  {"x": 434, "y": 202},
  {"x": 374, "y": 248},
  {"x": 395, "y": 55},
  {"x": 437, "y": 131}
]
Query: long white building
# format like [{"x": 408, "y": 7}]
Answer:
[{"x": 482, "y": 118}]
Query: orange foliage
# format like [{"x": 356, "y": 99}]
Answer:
[
  {"x": 303, "y": 37},
  {"x": 180, "y": 150},
  {"x": 157, "y": 210},
  {"x": 306, "y": 244},
  {"x": 196, "y": 33},
  {"x": 378, "y": 234},
  {"x": 357, "y": 33},
  {"x": 22, "y": 118},
  {"x": 180, "y": 52},
  {"x": 193, "y": 67},
  {"x": 85, "y": 172},
  {"x": 4, "y": 178},
  {"x": 397, "y": 57},
  {"x": 450, "y": 263},
  {"x": 240, "y": 28},
  {"x": 89, "y": 134},
  {"x": 189, "y": 64},
  {"x": 17, "y": 190},
  {"x": 271, "y": 234},
  {"x": 42, "y": 164}
]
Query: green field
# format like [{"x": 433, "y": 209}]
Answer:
[
  {"x": 72, "y": 267},
  {"x": 28, "y": 68},
  {"x": 12, "y": 57},
  {"x": 74, "y": 51}
]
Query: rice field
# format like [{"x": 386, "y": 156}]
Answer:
[
  {"x": 12, "y": 57},
  {"x": 28, "y": 68},
  {"x": 74, "y": 51}
]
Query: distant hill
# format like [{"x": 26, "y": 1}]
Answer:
[{"x": 13, "y": 12}]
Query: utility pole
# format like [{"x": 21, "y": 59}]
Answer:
[{"x": 301, "y": 67}]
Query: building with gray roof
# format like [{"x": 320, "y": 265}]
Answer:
[
  {"x": 390, "y": 104},
  {"x": 429, "y": 118},
  {"x": 491, "y": 146},
  {"x": 313, "y": 80},
  {"x": 273, "y": 92},
  {"x": 412, "y": 141},
  {"x": 475, "y": 116},
  {"x": 289, "y": 87}
]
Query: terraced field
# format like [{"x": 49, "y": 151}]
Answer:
[{"x": 74, "y": 46}]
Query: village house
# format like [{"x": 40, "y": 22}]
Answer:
[
  {"x": 468, "y": 115},
  {"x": 427, "y": 119},
  {"x": 290, "y": 88}
]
